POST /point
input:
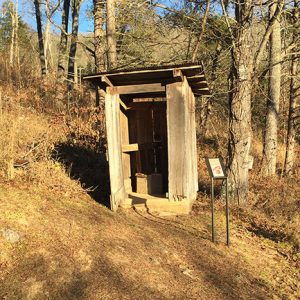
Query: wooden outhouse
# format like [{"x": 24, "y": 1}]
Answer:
[{"x": 151, "y": 135}]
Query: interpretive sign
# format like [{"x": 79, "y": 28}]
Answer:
[{"x": 216, "y": 168}]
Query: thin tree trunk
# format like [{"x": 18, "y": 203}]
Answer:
[
  {"x": 47, "y": 36},
  {"x": 111, "y": 34},
  {"x": 270, "y": 134},
  {"x": 17, "y": 49},
  {"x": 99, "y": 35},
  {"x": 40, "y": 38},
  {"x": 195, "y": 51},
  {"x": 99, "y": 46},
  {"x": 74, "y": 40},
  {"x": 12, "y": 42},
  {"x": 207, "y": 101},
  {"x": 240, "y": 131},
  {"x": 294, "y": 103},
  {"x": 63, "y": 44}
]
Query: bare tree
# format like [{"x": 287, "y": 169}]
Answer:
[
  {"x": 270, "y": 134},
  {"x": 99, "y": 42},
  {"x": 14, "y": 58},
  {"x": 40, "y": 38},
  {"x": 74, "y": 39},
  {"x": 294, "y": 100},
  {"x": 240, "y": 90},
  {"x": 202, "y": 31},
  {"x": 99, "y": 34},
  {"x": 50, "y": 11},
  {"x": 246, "y": 54},
  {"x": 47, "y": 34},
  {"x": 63, "y": 43},
  {"x": 12, "y": 43},
  {"x": 111, "y": 34}
]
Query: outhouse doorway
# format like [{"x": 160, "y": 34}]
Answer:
[
  {"x": 151, "y": 135},
  {"x": 145, "y": 145}
]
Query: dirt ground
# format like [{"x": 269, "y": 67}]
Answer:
[{"x": 61, "y": 245}]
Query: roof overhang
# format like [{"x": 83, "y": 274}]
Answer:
[{"x": 152, "y": 80}]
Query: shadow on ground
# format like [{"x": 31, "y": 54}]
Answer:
[{"x": 89, "y": 167}]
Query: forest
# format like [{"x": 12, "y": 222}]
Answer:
[{"x": 54, "y": 182}]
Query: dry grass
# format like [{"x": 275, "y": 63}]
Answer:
[
  {"x": 35, "y": 147},
  {"x": 72, "y": 248},
  {"x": 273, "y": 210},
  {"x": 26, "y": 136}
]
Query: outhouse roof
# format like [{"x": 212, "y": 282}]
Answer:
[{"x": 155, "y": 74}]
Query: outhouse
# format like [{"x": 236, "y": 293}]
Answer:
[{"x": 151, "y": 135}]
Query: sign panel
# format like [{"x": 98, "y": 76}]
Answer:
[{"x": 216, "y": 168}]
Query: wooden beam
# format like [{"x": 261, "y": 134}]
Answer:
[
  {"x": 198, "y": 85},
  {"x": 139, "y": 89},
  {"x": 130, "y": 148},
  {"x": 138, "y": 146},
  {"x": 178, "y": 76},
  {"x": 196, "y": 78},
  {"x": 123, "y": 104},
  {"x": 200, "y": 76},
  {"x": 105, "y": 79},
  {"x": 201, "y": 90},
  {"x": 184, "y": 68}
]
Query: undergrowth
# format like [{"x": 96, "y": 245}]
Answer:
[{"x": 38, "y": 147}]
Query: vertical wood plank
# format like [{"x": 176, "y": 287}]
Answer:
[
  {"x": 112, "y": 112},
  {"x": 176, "y": 141},
  {"x": 192, "y": 144},
  {"x": 182, "y": 147},
  {"x": 125, "y": 156}
]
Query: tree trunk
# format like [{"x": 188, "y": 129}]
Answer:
[
  {"x": 40, "y": 38},
  {"x": 99, "y": 46},
  {"x": 17, "y": 50},
  {"x": 270, "y": 134},
  {"x": 74, "y": 39},
  {"x": 240, "y": 81},
  {"x": 206, "y": 102},
  {"x": 47, "y": 36},
  {"x": 12, "y": 42},
  {"x": 294, "y": 103},
  {"x": 111, "y": 34},
  {"x": 98, "y": 35},
  {"x": 62, "y": 55}
]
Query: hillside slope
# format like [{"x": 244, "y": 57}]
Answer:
[{"x": 57, "y": 244}]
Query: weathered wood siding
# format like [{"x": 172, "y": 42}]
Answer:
[
  {"x": 182, "y": 151},
  {"x": 113, "y": 129},
  {"x": 125, "y": 156}
]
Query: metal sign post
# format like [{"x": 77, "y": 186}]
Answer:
[
  {"x": 212, "y": 211},
  {"x": 216, "y": 170}
]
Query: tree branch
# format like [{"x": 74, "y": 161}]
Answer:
[
  {"x": 263, "y": 43},
  {"x": 174, "y": 11},
  {"x": 194, "y": 55},
  {"x": 227, "y": 23},
  {"x": 87, "y": 47}
]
